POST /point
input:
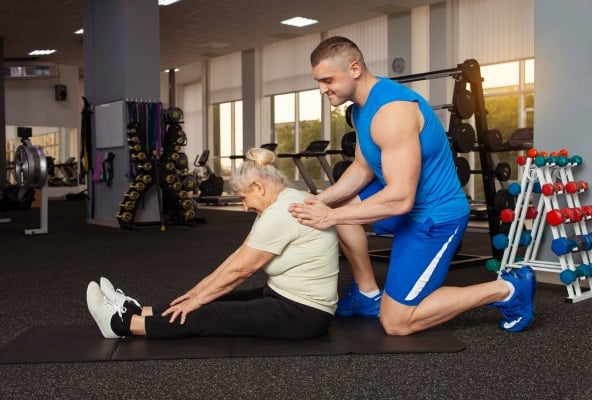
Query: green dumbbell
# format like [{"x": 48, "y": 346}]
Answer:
[{"x": 492, "y": 265}]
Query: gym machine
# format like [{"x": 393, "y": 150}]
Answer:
[
  {"x": 315, "y": 149},
  {"x": 31, "y": 172}
]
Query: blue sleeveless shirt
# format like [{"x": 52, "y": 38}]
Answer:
[{"x": 439, "y": 194}]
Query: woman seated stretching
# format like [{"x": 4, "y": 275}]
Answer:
[{"x": 301, "y": 263}]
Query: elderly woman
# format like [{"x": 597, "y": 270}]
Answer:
[{"x": 301, "y": 263}]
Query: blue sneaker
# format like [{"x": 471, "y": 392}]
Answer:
[
  {"x": 526, "y": 273},
  {"x": 519, "y": 309},
  {"x": 356, "y": 303}
]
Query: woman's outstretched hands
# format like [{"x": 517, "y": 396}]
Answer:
[{"x": 182, "y": 306}]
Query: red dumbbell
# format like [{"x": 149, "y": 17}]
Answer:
[
  {"x": 574, "y": 187},
  {"x": 586, "y": 212},
  {"x": 521, "y": 160},
  {"x": 559, "y": 187},
  {"x": 576, "y": 214},
  {"x": 531, "y": 213},
  {"x": 547, "y": 189},
  {"x": 556, "y": 217},
  {"x": 507, "y": 215}
]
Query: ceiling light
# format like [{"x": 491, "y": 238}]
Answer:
[
  {"x": 299, "y": 21},
  {"x": 41, "y": 52},
  {"x": 166, "y": 2},
  {"x": 175, "y": 69},
  {"x": 79, "y": 31}
]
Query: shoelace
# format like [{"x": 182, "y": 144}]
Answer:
[
  {"x": 127, "y": 298},
  {"x": 111, "y": 303}
]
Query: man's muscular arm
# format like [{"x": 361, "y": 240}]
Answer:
[{"x": 395, "y": 129}]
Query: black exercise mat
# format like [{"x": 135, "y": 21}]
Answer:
[{"x": 53, "y": 344}]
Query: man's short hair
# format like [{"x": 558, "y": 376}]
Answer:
[{"x": 336, "y": 46}]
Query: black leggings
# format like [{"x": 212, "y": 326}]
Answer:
[{"x": 260, "y": 312}]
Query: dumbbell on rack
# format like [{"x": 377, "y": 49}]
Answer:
[
  {"x": 576, "y": 187},
  {"x": 563, "y": 245},
  {"x": 566, "y": 215},
  {"x": 493, "y": 265},
  {"x": 508, "y": 215},
  {"x": 548, "y": 189},
  {"x": 568, "y": 276},
  {"x": 500, "y": 241}
]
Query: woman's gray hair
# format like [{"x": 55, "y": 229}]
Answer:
[{"x": 259, "y": 164}]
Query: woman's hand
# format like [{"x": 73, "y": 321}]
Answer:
[{"x": 182, "y": 306}]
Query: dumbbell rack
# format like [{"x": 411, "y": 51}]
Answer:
[
  {"x": 549, "y": 176},
  {"x": 172, "y": 168},
  {"x": 151, "y": 168}
]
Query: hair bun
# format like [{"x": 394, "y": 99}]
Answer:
[{"x": 261, "y": 156}]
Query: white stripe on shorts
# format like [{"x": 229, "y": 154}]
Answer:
[{"x": 424, "y": 278}]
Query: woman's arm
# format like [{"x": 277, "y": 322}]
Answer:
[{"x": 238, "y": 267}]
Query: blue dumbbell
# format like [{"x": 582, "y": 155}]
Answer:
[
  {"x": 568, "y": 275},
  {"x": 563, "y": 245},
  {"x": 525, "y": 239},
  {"x": 514, "y": 189},
  {"x": 500, "y": 241},
  {"x": 587, "y": 270}
]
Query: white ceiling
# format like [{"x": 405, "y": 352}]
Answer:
[{"x": 190, "y": 30}]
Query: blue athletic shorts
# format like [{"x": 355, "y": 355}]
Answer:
[{"x": 421, "y": 252}]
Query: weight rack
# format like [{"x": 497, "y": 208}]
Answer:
[
  {"x": 558, "y": 206},
  {"x": 157, "y": 161},
  {"x": 467, "y": 101}
]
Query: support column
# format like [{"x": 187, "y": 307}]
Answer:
[
  {"x": 249, "y": 89},
  {"x": 121, "y": 62},
  {"x": 172, "y": 88},
  {"x": 3, "y": 180}
]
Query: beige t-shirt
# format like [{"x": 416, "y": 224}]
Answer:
[{"x": 305, "y": 268}]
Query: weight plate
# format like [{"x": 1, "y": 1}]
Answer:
[
  {"x": 463, "y": 170},
  {"x": 464, "y": 104}
]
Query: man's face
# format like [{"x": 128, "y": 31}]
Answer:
[{"x": 336, "y": 80}]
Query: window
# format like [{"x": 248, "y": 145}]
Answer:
[
  {"x": 228, "y": 136},
  {"x": 297, "y": 122},
  {"x": 339, "y": 127},
  {"x": 509, "y": 98},
  {"x": 508, "y": 91}
]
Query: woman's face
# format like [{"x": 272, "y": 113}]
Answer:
[{"x": 254, "y": 198}]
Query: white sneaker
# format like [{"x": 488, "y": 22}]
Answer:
[
  {"x": 102, "y": 309},
  {"x": 116, "y": 295}
]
